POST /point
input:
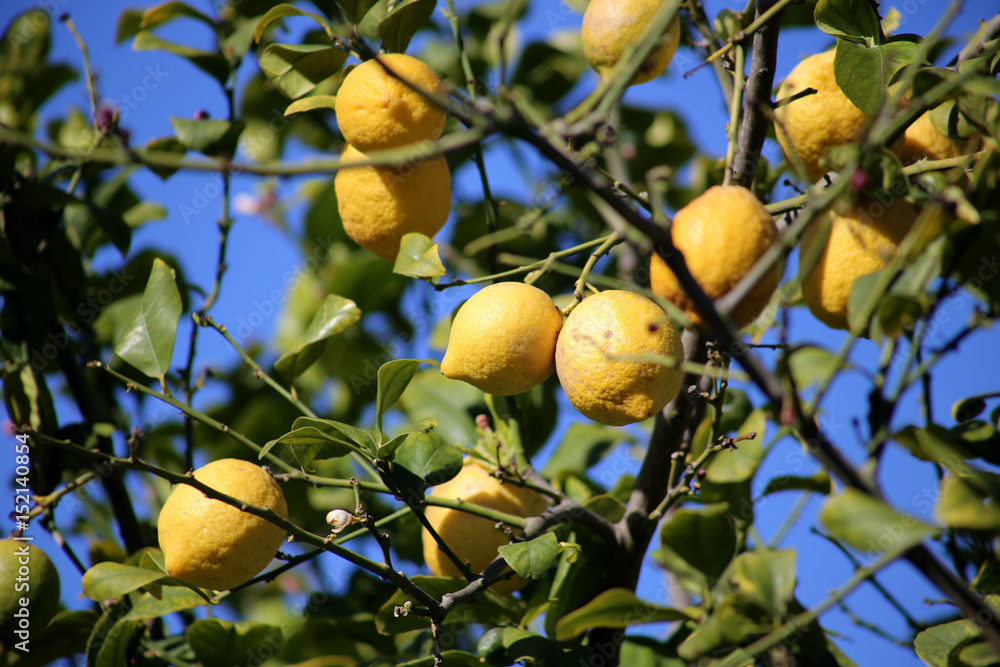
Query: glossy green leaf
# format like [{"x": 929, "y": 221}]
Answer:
[
  {"x": 388, "y": 450},
  {"x": 302, "y": 446},
  {"x": 534, "y": 558},
  {"x": 110, "y": 581},
  {"x": 418, "y": 257},
  {"x": 615, "y": 608},
  {"x": 171, "y": 599},
  {"x": 168, "y": 11},
  {"x": 283, "y": 11},
  {"x": 147, "y": 343},
  {"x": 296, "y": 69},
  {"x": 213, "y": 64},
  {"x": 335, "y": 315},
  {"x": 359, "y": 436},
  {"x": 393, "y": 377},
  {"x": 218, "y": 642},
  {"x": 864, "y": 73},
  {"x": 211, "y": 137},
  {"x": 936, "y": 645},
  {"x": 741, "y": 463},
  {"x": 311, "y": 103},
  {"x": 489, "y": 607},
  {"x": 870, "y": 525},
  {"x": 584, "y": 446},
  {"x": 698, "y": 542},
  {"x": 423, "y": 460},
  {"x": 398, "y": 27},
  {"x": 962, "y": 504},
  {"x": 854, "y": 20},
  {"x": 817, "y": 483},
  {"x": 355, "y": 10},
  {"x": 766, "y": 577}
]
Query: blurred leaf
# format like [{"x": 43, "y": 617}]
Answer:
[
  {"x": 430, "y": 393},
  {"x": 966, "y": 409},
  {"x": 27, "y": 39},
  {"x": 489, "y": 607},
  {"x": 766, "y": 577},
  {"x": 211, "y": 137},
  {"x": 698, "y": 542},
  {"x": 147, "y": 343},
  {"x": 534, "y": 558},
  {"x": 355, "y": 10},
  {"x": 870, "y": 525},
  {"x": 736, "y": 408},
  {"x": 547, "y": 72},
  {"x": 584, "y": 446},
  {"x": 855, "y": 20},
  {"x": 282, "y": 11},
  {"x": 296, "y": 70},
  {"x": 741, "y": 462},
  {"x": 171, "y": 599},
  {"x": 311, "y": 103},
  {"x": 218, "y": 642},
  {"x": 335, "y": 315},
  {"x": 128, "y": 25},
  {"x": 112, "y": 647},
  {"x": 810, "y": 365},
  {"x": 213, "y": 64},
  {"x": 393, "y": 377},
  {"x": 65, "y": 636},
  {"x": 936, "y": 645},
  {"x": 817, "y": 483},
  {"x": 163, "y": 145},
  {"x": 863, "y": 73},
  {"x": 168, "y": 11},
  {"x": 418, "y": 257},
  {"x": 962, "y": 505},
  {"x": 615, "y": 608},
  {"x": 110, "y": 581},
  {"x": 398, "y": 27}
]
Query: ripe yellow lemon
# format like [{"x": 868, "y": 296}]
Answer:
[
  {"x": 378, "y": 205},
  {"x": 610, "y": 27},
  {"x": 596, "y": 358},
  {"x": 721, "y": 233},
  {"x": 376, "y": 110},
  {"x": 474, "y": 538},
  {"x": 809, "y": 125},
  {"x": 26, "y": 575},
  {"x": 922, "y": 141},
  {"x": 862, "y": 240},
  {"x": 208, "y": 543},
  {"x": 503, "y": 339}
]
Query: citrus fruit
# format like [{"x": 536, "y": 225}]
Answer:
[
  {"x": 25, "y": 572},
  {"x": 208, "y": 543},
  {"x": 610, "y": 27},
  {"x": 378, "y": 205},
  {"x": 860, "y": 242},
  {"x": 503, "y": 339},
  {"x": 596, "y": 358},
  {"x": 922, "y": 141},
  {"x": 809, "y": 125},
  {"x": 721, "y": 233},
  {"x": 377, "y": 111},
  {"x": 474, "y": 538}
]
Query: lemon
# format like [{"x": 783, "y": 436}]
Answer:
[
  {"x": 809, "y": 125},
  {"x": 378, "y": 205},
  {"x": 610, "y": 27},
  {"x": 721, "y": 233},
  {"x": 862, "y": 240},
  {"x": 593, "y": 358},
  {"x": 26, "y": 574},
  {"x": 503, "y": 339},
  {"x": 377, "y": 111},
  {"x": 473, "y": 538},
  {"x": 922, "y": 141},
  {"x": 208, "y": 543}
]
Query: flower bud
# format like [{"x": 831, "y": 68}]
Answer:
[{"x": 339, "y": 519}]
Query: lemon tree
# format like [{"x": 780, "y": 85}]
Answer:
[{"x": 417, "y": 333}]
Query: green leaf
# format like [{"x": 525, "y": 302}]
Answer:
[
  {"x": 864, "y": 73},
  {"x": 113, "y": 648},
  {"x": 736, "y": 465},
  {"x": 854, "y": 20},
  {"x": 305, "y": 445},
  {"x": 128, "y": 25},
  {"x": 963, "y": 505},
  {"x": 870, "y": 525},
  {"x": 398, "y": 27},
  {"x": 163, "y": 145},
  {"x": 282, "y": 11},
  {"x": 532, "y": 559},
  {"x": 810, "y": 365},
  {"x": 936, "y": 645},
  {"x": 767, "y": 578},
  {"x": 310, "y": 103},
  {"x": 147, "y": 343},
  {"x": 451, "y": 403},
  {"x": 615, "y": 608},
  {"x": 393, "y": 377},
  {"x": 584, "y": 446},
  {"x": 171, "y": 599},
  {"x": 489, "y": 607},
  {"x": 296, "y": 70},
  {"x": 698, "y": 542},
  {"x": 211, "y": 137},
  {"x": 355, "y": 10},
  {"x": 547, "y": 73},
  {"x": 818, "y": 483},
  {"x": 388, "y": 451},
  {"x": 424, "y": 460},
  {"x": 340, "y": 430},
  {"x": 218, "y": 642},
  {"x": 418, "y": 257},
  {"x": 64, "y": 636},
  {"x": 27, "y": 39},
  {"x": 335, "y": 315},
  {"x": 966, "y": 409},
  {"x": 110, "y": 581},
  {"x": 213, "y": 64},
  {"x": 168, "y": 11}
]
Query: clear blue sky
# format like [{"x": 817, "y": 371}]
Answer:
[{"x": 261, "y": 253}]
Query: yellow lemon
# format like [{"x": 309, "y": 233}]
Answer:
[
  {"x": 474, "y": 538},
  {"x": 378, "y": 205},
  {"x": 29, "y": 590},
  {"x": 721, "y": 233},
  {"x": 862, "y": 240},
  {"x": 596, "y": 358},
  {"x": 208, "y": 543},
  {"x": 503, "y": 339},
  {"x": 376, "y": 110},
  {"x": 610, "y": 27},
  {"x": 809, "y": 125},
  {"x": 922, "y": 141}
]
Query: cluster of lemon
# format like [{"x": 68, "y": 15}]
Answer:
[{"x": 383, "y": 104}]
